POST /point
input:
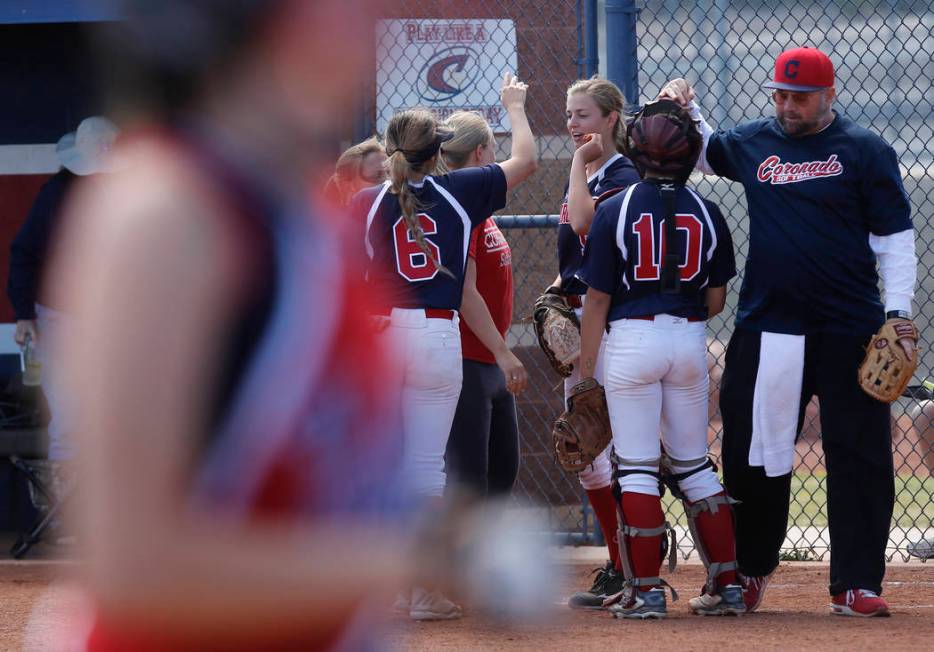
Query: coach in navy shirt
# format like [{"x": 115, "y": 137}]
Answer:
[{"x": 826, "y": 204}]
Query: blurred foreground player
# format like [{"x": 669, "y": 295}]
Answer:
[{"x": 236, "y": 467}]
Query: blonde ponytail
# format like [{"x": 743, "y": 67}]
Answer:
[{"x": 470, "y": 132}]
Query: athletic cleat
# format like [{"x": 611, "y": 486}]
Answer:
[
  {"x": 641, "y": 605},
  {"x": 754, "y": 590},
  {"x": 432, "y": 605},
  {"x": 729, "y": 602},
  {"x": 609, "y": 581},
  {"x": 859, "y": 602}
]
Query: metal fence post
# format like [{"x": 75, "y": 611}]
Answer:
[
  {"x": 622, "y": 57},
  {"x": 592, "y": 58}
]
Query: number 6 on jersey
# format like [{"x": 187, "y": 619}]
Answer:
[{"x": 411, "y": 261}]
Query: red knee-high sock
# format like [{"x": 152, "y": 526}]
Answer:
[
  {"x": 645, "y": 553},
  {"x": 604, "y": 506},
  {"x": 716, "y": 530}
]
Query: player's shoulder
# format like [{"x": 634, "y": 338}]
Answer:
[
  {"x": 612, "y": 200},
  {"x": 619, "y": 173},
  {"x": 747, "y": 130},
  {"x": 466, "y": 176},
  {"x": 697, "y": 196},
  {"x": 863, "y": 137},
  {"x": 620, "y": 164},
  {"x": 365, "y": 198}
]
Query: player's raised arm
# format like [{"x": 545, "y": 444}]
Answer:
[{"x": 523, "y": 157}]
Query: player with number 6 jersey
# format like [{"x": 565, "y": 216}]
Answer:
[
  {"x": 418, "y": 227},
  {"x": 656, "y": 264}
]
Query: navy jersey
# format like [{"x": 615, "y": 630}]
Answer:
[
  {"x": 618, "y": 172},
  {"x": 813, "y": 202},
  {"x": 626, "y": 246},
  {"x": 452, "y": 205}
]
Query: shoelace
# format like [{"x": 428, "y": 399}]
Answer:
[{"x": 603, "y": 575}]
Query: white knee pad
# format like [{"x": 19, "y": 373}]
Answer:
[
  {"x": 638, "y": 482},
  {"x": 700, "y": 485},
  {"x": 599, "y": 474}
]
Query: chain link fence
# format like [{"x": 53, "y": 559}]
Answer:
[{"x": 883, "y": 57}]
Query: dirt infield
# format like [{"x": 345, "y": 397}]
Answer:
[{"x": 794, "y": 616}]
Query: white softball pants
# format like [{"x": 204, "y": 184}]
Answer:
[
  {"x": 657, "y": 381},
  {"x": 600, "y": 473},
  {"x": 430, "y": 373}
]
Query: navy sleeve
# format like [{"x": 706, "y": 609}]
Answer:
[
  {"x": 720, "y": 154},
  {"x": 723, "y": 263},
  {"x": 602, "y": 258},
  {"x": 30, "y": 246},
  {"x": 359, "y": 207},
  {"x": 620, "y": 176},
  {"x": 886, "y": 202},
  {"x": 481, "y": 191}
]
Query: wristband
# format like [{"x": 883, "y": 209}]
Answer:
[{"x": 897, "y": 314}]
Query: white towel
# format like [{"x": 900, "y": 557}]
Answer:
[{"x": 776, "y": 403}]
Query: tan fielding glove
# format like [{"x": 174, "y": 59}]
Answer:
[
  {"x": 583, "y": 432},
  {"x": 886, "y": 369}
]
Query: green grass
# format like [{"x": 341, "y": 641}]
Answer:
[{"x": 914, "y": 498}]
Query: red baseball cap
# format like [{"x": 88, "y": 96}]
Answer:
[{"x": 802, "y": 70}]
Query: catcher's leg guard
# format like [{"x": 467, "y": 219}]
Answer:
[
  {"x": 710, "y": 518},
  {"x": 627, "y": 477},
  {"x": 640, "y": 562}
]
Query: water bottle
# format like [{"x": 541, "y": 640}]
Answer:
[{"x": 32, "y": 368}]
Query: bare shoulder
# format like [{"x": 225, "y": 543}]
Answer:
[
  {"x": 157, "y": 196},
  {"x": 154, "y": 221}
]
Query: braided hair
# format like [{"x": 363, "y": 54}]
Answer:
[{"x": 413, "y": 140}]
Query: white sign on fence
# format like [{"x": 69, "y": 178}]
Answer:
[{"x": 445, "y": 65}]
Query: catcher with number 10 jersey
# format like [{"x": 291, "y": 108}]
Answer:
[{"x": 656, "y": 263}]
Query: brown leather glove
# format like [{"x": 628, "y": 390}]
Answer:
[
  {"x": 886, "y": 369},
  {"x": 583, "y": 432}
]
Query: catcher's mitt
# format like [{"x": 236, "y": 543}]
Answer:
[
  {"x": 558, "y": 330},
  {"x": 583, "y": 432},
  {"x": 886, "y": 369}
]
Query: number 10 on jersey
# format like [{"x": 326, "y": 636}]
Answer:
[{"x": 650, "y": 246}]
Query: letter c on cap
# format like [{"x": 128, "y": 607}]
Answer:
[{"x": 791, "y": 68}]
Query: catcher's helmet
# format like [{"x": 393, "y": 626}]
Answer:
[{"x": 662, "y": 139}]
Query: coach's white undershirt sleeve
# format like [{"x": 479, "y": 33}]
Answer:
[
  {"x": 898, "y": 267},
  {"x": 706, "y": 131}
]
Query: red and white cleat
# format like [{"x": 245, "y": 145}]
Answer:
[
  {"x": 753, "y": 591},
  {"x": 859, "y": 602}
]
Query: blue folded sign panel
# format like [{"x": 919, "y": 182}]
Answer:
[{"x": 56, "y": 11}]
